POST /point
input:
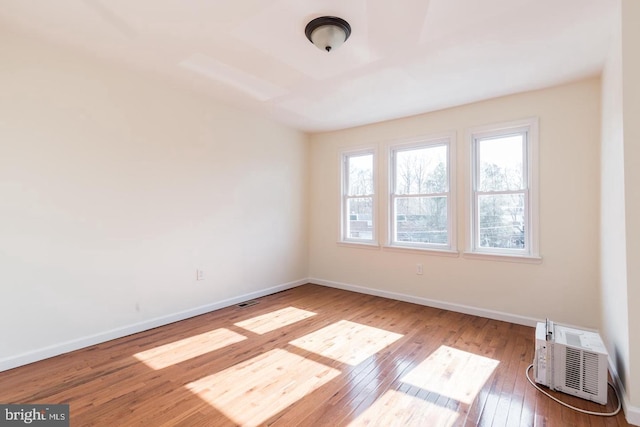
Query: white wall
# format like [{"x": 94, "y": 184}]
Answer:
[
  {"x": 631, "y": 113},
  {"x": 620, "y": 205},
  {"x": 115, "y": 188},
  {"x": 564, "y": 287},
  {"x": 614, "y": 300}
]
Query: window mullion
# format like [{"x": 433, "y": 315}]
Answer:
[
  {"x": 418, "y": 195},
  {"x": 498, "y": 193}
]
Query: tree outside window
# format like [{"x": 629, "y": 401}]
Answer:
[
  {"x": 421, "y": 195},
  {"x": 358, "y": 197},
  {"x": 503, "y": 208}
]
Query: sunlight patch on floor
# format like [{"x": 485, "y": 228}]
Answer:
[
  {"x": 347, "y": 342},
  {"x": 395, "y": 408},
  {"x": 252, "y": 391},
  {"x": 178, "y": 351},
  {"x": 453, "y": 373},
  {"x": 274, "y": 320}
]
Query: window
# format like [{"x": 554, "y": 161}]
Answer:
[
  {"x": 358, "y": 197},
  {"x": 421, "y": 201},
  {"x": 503, "y": 190}
]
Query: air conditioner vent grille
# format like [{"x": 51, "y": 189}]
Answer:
[
  {"x": 590, "y": 373},
  {"x": 572, "y": 379}
]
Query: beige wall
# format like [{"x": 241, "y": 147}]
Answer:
[
  {"x": 115, "y": 188},
  {"x": 564, "y": 287}
]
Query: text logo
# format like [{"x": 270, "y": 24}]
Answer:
[{"x": 34, "y": 415}]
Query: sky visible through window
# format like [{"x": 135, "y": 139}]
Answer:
[{"x": 501, "y": 162}]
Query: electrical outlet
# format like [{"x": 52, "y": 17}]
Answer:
[
  {"x": 418, "y": 269},
  {"x": 199, "y": 274}
]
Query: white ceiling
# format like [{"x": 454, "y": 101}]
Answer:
[{"x": 404, "y": 57}]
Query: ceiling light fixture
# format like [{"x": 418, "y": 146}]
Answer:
[{"x": 328, "y": 32}]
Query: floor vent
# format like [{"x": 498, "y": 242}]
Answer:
[{"x": 247, "y": 303}]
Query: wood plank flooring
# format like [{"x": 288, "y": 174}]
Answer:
[{"x": 309, "y": 356}]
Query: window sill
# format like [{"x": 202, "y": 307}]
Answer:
[
  {"x": 425, "y": 251},
  {"x": 525, "y": 259},
  {"x": 359, "y": 245}
]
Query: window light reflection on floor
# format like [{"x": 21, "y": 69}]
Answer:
[
  {"x": 178, "y": 351},
  {"x": 396, "y": 408},
  {"x": 276, "y": 319},
  {"x": 453, "y": 373},
  {"x": 252, "y": 391},
  {"x": 347, "y": 342}
]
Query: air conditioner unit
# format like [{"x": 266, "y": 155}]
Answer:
[{"x": 572, "y": 361}]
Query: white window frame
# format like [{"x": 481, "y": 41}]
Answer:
[
  {"x": 449, "y": 140},
  {"x": 344, "y": 197},
  {"x": 530, "y": 253}
]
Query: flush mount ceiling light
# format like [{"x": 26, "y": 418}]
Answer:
[{"x": 328, "y": 32}]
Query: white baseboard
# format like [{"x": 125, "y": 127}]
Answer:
[
  {"x": 632, "y": 413},
  {"x": 76, "y": 344},
  {"x": 490, "y": 314}
]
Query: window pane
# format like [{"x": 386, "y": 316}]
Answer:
[
  {"x": 500, "y": 163},
  {"x": 360, "y": 218},
  {"x": 360, "y": 169},
  {"x": 421, "y": 219},
  {"x": 421, "y": 170},
  {"x": 502, "y": 221}
]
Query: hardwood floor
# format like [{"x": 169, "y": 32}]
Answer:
[{"x": 310, "y": 356}]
